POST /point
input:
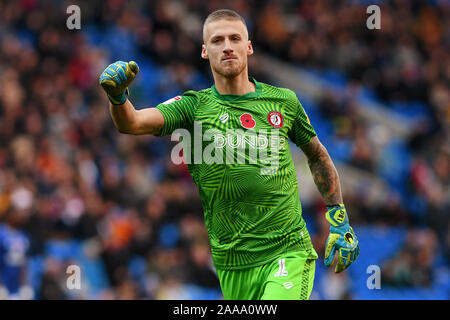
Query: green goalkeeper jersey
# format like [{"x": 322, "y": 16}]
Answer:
[{"x": 237, "y": 152}]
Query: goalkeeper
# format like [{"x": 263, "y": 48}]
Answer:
[{"x": 260, "y": 245}]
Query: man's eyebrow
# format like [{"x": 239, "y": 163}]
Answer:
[{"x": 215, "y": 36}]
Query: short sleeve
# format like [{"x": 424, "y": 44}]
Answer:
[
  {"x": 302, "y": 131},
  {"x": 178, "y": 112}
]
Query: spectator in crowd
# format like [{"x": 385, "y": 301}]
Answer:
[{"x": 412, "y": 265}]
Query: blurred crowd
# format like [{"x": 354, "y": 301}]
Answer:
[
  {"x": 66, "y": 174},
  {"x": 412, "y": 265}
]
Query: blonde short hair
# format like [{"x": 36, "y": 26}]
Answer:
[{"x": 225, "y": 14}]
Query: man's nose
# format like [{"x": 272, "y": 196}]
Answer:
[{"x": 227, "y": 46}]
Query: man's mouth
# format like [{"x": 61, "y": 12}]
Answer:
[{"x": 229, "y": 59}]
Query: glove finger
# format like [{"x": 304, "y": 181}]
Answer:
[
  {"x": 340, "y": 266},
  {"x": 330, "y": 249},
  {"x": 121, "y": 73},
  {"x": 108, "y": 85},
  {"x": 343, "y": 261},
  {"x": 346, "y": 258},
  {"x": 133, "y": 67},
  {"x": 131, "y": 71},
  {"x": 105, "y": 76},
  {"x": 110, "y": 73},
  {"x": 355, "y": 253},
  {"x": 330, "y": 258},
  {"x": 112, "y": 69}
]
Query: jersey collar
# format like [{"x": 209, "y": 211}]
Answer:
[{"x": 239, "y": 97}]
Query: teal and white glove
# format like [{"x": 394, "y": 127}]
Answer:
[
  {"x": 341, "y": 239},
  {"x": 116, "y": 78}
]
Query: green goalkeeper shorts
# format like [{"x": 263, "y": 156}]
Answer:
[{"x": 289, "y": 277}]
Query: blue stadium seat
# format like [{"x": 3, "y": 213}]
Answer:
[
  {"x": 200, "y": 293},
  {"x": 35, "y": 271},
  {"x": 334, "y": 79},
  {"x": 96, "y": 275},
  {"x": 412, "y": 110},
  {"x": 138, "y": 268},
  {"x": 63, "y": 250}
]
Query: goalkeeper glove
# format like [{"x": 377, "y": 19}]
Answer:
[
  {"x": 116, "y": 78},
  {"x": 341, "y": 239}
]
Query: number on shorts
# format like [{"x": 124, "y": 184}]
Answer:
[{"x": 282, "y": 272}]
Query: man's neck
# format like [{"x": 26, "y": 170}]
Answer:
[{"x": 238, "y": 85}]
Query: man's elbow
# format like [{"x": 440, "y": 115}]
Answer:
[
  {"x": 139, "y": 131},
  {"x": 126, "y": 131}
]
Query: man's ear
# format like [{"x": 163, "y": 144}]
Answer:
[
  {"x": 249, "y": 48},
  {"x": 204, "y": 52}
]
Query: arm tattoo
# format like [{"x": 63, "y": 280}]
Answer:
[{"x": 324, "y": 172}]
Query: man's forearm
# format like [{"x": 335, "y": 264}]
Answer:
[
  {"x": 124, "y": 116},
  {"x": 115, "y": 80},
  {"x": 326, "y": 177}
]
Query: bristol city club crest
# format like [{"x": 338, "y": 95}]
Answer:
[{"x": 275, "y": 119}]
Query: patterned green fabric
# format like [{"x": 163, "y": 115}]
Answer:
[
  {"x": 287, "y": 277},
  {"x": 251, "y": 206}
]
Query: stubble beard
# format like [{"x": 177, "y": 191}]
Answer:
[{"x": 229, "y": 72}]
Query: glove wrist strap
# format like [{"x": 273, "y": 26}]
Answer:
[
  {"x": 331, "y": 206},
  {"x": 336, "y": 215},
  {"x": 119, "y": 99}
]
